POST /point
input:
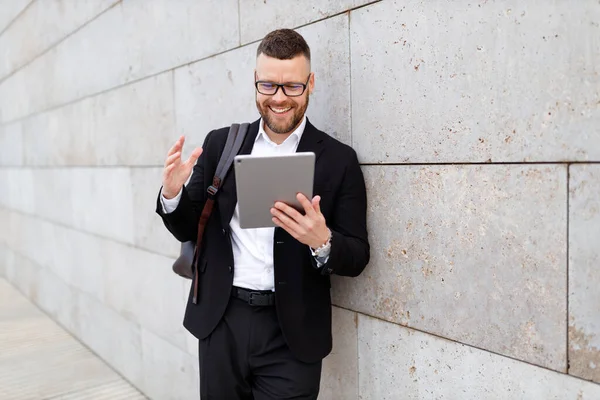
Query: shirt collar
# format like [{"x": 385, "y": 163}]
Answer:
[{"x": 298, "y": 132}]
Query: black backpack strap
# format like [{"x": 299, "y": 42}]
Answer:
[{"x": 235, "y": 138}]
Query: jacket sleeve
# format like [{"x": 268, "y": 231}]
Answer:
[
  {"x": 183, "y": 221},
  {"x": 350, "y": 250}
]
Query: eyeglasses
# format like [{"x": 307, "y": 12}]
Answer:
[{"x": 289, "y": 89}]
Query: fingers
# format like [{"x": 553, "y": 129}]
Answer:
[
  {"x": 288, "y": 211},
  {"x": 194, "y": 156},
  {"x": 177, "y": 146},
  {"x": 172, "y": 159},
  {"x": 316, "y": 204},
  {"x": 306, "y": 204}
]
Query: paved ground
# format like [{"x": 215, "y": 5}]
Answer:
[{"x": 41, "y": 361}]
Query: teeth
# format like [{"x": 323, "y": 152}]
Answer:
[{"x": 280, "y": 110}]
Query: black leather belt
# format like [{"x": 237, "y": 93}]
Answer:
[{"x": 254, "y": 297}]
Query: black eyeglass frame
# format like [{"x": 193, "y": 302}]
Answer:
[{"x": 282, "y": 86}]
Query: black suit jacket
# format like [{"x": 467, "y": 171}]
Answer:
[{"x": 302, "y": 291}]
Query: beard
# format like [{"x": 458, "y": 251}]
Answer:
[{"x": 282, "y": 126}]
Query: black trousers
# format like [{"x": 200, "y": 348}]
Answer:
[{"x": 246, "y": 357}]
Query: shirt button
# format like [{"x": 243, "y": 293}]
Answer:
[
  {"x": 224, "y": 231},
  {"x": 230, "y": 268}
]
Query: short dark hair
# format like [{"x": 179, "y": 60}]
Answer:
[{"x": 283, "y": 44}]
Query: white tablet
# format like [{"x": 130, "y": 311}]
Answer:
[{"x": 263, "y": 180}]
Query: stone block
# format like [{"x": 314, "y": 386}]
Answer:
[
  {"x": 169, "y": 373},
  {"x": 10, "y": 11},
  {"x": 329, "y": 107},
  {"x": 214, "y": 93},
  {"x": 339, "y": 379},
  {"x": 131, "y": 125},
  {"x": 18, "y": 189},
  {"x": 41, "y": 26},
  {"x": 102, "y": 201},
  {"x": 257, "y": 17},
  {"x": 142, "y": 288},
  {"x": 130, "y": 41},
  {"x": 11, "y": 144},
  {"x": 474, "y": 253},
  {"x": 114, "y": 338},
  {"x": 150, "y": 232},
  {"x": 400, "y": 363},
  {"x": 584, "y": 274},
  {"x": 473, "y": 82}
]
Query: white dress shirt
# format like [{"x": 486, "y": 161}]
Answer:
[{"x": 253, "y": 248}]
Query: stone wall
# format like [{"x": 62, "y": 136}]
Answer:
[{"x": 478, "y": 126}]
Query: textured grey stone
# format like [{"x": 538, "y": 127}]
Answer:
[
  {"x": 400, "y": 363},
  {"x": 11, "y": 144},
  {"x": 131, "y": 125},
  {"x": 41, "y": 26},
  {"x": 258, "y": 17},
  {"x": 17, "y": 191},
  {"x": 149, "y": 230},
  {"x": 339, "y": 379},
  {"x": 584, "y": 272},
  {"x": 10, "y": 11},
  {"x": 169, "y": 373},
  {"x": 144, "y": 37},
  {"x": 476, "y": 81},
  {"x": 329, "y": 107},
  {"x": 214, "y": 93},
  {"x": 472, "y": 253}
]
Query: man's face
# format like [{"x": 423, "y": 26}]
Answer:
[{"x": 281, "y": 113}]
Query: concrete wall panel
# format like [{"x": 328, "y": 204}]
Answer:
[
  {"x": 132, "y": 125},
  {"x": 399, "y": 363},
  {"x": 145, "y": 37},
  {"x": 584, "y": 272},
  {"x": 339, "y": 379},
  {"x": 11, "y": 144},
  {"x": 41, "y": 26},
  {"x": 476, "y": 81},
  {"x": 257, "y": 17},
  {"x": 10, "y": 11},
  {"x": 472, "y": 253}
]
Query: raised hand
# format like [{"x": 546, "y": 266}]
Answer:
[{"x": 176, "y": 172}]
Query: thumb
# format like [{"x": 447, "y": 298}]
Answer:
[{"x": 316, "y": 204}]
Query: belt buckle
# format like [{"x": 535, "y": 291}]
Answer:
[{"x": 251, "y": 297}]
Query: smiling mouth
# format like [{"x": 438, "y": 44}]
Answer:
[{"x": 279, "y": 110}]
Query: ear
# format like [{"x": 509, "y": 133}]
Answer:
[{"x": 311, "y": 83}]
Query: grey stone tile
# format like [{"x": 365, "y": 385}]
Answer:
[
  {"x": 41, "y": 26},
  {"x": 329, "y": 107},
  {"x": 476, "y": 254},
  {"x": 10, "y": 11},
  {"x": 131, "y": 125},
  {"x": 471, "y": 81},
  {"x": 339, "y": 379},
  {"x": 584, "y": 274},
  {"x": 165, "y": 363},
  {"x": 399, "y": 363},
  {"x": 145, "y": 38},
  {"x": 214, "y": 93},
  {"x": 11, "y": 144},
  {"x": 149, "y": 230},
  {"x": 257, "y": 17}
]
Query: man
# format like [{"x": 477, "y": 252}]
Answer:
[{"x": 263, "y": 314}]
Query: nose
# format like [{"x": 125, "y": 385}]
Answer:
[{"x": 279, "y": 96}]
